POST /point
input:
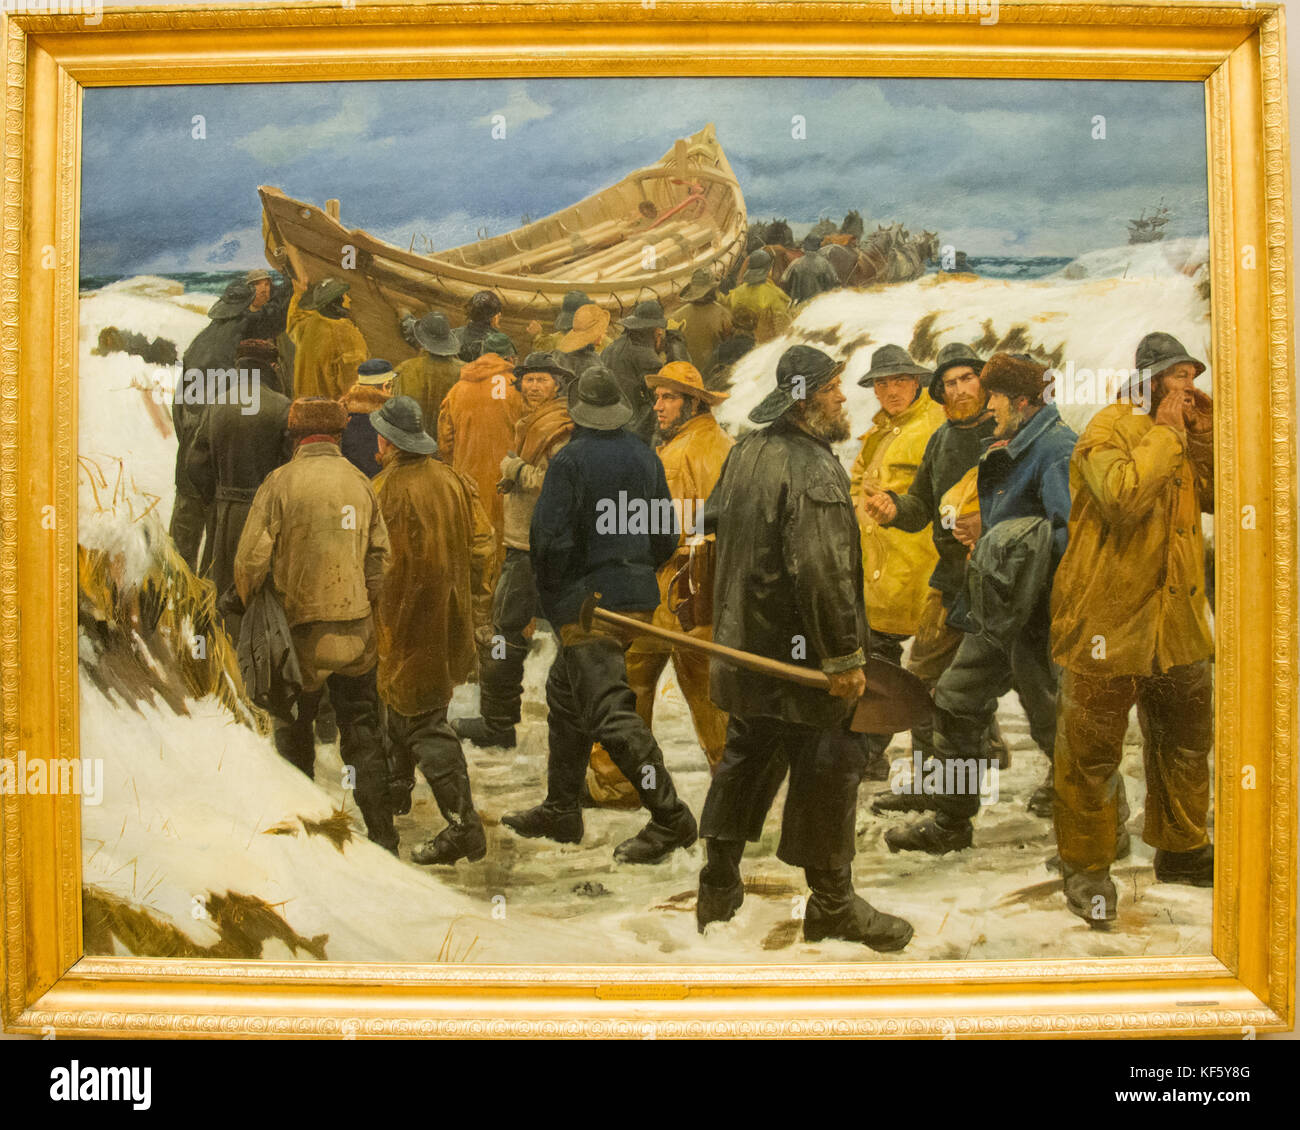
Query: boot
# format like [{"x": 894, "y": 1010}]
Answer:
[
  {"x": 399, "y": 795},
  {"x": 1123, "y": 849},
  {"x": 1195, "y": 868},
  {"x": 902, "y": 802},
  {"x": 1091, "y": 895},
  {"x": 1041, "y": 801},
  {"x": 721, "y": 889},
  {"x": 478, "y": 732},
  {"x": 658, "y": 840},
  {"x": 463, "y": 838},
  {"x": 835, "y": 911},
  {"x": 456, "y": 841},
  {"x": 932, "y": 835},
  {"x": 379, "y": 822},
  {"x": 546, "y": 823}
]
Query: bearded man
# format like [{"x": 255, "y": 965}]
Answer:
[
  {"x": 941, "y": 495},
  {"x": 789, "y": 586},
  {"x": 1024, "y": 496}
]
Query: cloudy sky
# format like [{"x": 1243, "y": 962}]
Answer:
[{"x": 997, "y": 168}]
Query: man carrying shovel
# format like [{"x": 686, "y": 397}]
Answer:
[{"x": 789, "y": 587}]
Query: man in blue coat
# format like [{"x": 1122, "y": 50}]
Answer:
[
  {"x": 1023, "y": 473},
  {"x": 603, "y": 523}
]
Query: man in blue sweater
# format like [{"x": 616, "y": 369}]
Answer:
[{"x": 603, "y": 523}]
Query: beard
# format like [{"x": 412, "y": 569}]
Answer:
[
  {"x": 665, "y": 432},
  {"x": 965, "y": 408},
  {"x": 1015, "y": 420},
  {"x": 831, "y": 425}
]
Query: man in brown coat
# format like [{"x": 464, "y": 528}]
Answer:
[
  {"x": 434, "y": 594},
  {"x": 1130, "y": 626},
  {"x": 316, "y": 534},
  {"x": 429, "y": 375}
]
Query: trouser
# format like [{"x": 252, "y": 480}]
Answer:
[
  {"x": 933, "y": 649},
  {"x": 825, "y": 767},
  {"x": 1176, "y": 716},
  {"x": 356, "y": 705},
  {"x": 189, "y": 521},
  {"x": 646, "y": 659},
  {"x": 428, "y": 741},
  {"x": 966, "y": 700},
  {"x": 589, "y": 700},
  {"x": 501, "y": 662},
  {"x": 889, "y": 647}
]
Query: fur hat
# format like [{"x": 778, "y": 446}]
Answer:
[
  {"x": 316, "y": 415},
  {"x": 1015, "y": 375}
]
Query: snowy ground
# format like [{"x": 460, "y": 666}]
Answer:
[{"x": 190, "y": 802}]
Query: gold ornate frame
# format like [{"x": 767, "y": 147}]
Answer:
[{"x": 1235, "y": 49}]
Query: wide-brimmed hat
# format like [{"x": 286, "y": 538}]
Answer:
[
  {"x": 803, "y": 363},
  {"x": 401, "y": 422},
  {"x": 573, "y": 302},
  {"x": 811, "y": 243},
  {"x": 1015, "y": 375},
  {"x": 545, "y": 362},
  {"x": 257, "y": 275},
  {"x": 891, "y": 361},
  {"x": 433, "y": 332},
  {"x": 1160, "y": 351},
  {"x": 701, "y": 288},
  {"x": 950, "y": 356},
  {"x": 647, "y": 315},
  {"x": 376, "y": 371},
  {"x": 683, "y": 377},
  {"x": 325, "y": 292},
  {"x": 316, "y": 415},
  {"x": 500, "y": 344},
  {"x": 589, "y": 325},
  {"x": 595, "y": 401},
  {"x": 234, "y": 300},
  {"x": 760, "y": 263}
]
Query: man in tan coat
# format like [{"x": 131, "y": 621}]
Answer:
[
  {"x": 428, "y": 376},
  {"x": 896, "y": 565},
  {"x": 760, "y": 297},
  {"x": 1130, "y": 624},
  {"x": 315, "y": 531},
  {"x": 692, "y": 447},
  {"x": 435, "y": 594},
  {"x": 328, "y": 347},
  {"x": 705, "y": 322}
]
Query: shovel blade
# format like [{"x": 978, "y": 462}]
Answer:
[{"x": 895, "y": 700}]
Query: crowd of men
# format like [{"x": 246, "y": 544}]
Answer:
[{"x": 415, "y": 523}]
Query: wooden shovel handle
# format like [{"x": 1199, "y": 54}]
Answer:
[{"x": 759, "y": 663}]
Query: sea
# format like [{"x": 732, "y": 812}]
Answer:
[{"x": 990, "y": 266}]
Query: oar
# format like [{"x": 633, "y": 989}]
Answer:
[{"x": 894, "y": 700}]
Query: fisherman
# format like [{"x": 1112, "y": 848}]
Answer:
[
  {"x": 938, "y": 497},
  {"x": 705, "y": 322},
  {"x": 633, "y": 357},
  {"x": 789, "y": 587},
  {"x": 896, "y": 564},
  {"x": 585, "y": 539},
  {"x": 810, "y": 275},
  {"x": 434, "y": 593},
  {"x": 428, "y": 376},
  {"x": 547, "y": 342},
  {"x": 759, "y": 295},
  {"x": 1141, "y": 481},
  {"x": 543, "y": 430},
  {"x": 206, "y": 371},
  {"x": 476, "y": 425},
  {"x": 315, "y": 532},
  {"x": 730, "y": 352},
  {"x": 360, "y": 440},
  {"x": 692, "y": 447},
  {"x": 328, "y": 347},
  {"x": 232, "y": 454},
  {"x": 582, "y": 345},
  {"x": 484, "y": 313},
  {"x": 268, "y": 311},
  {"x": 1023, "y": 475}
]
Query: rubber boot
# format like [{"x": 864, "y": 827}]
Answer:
[
  {"x": 835, "y": 911},
  {"x": 721, "y": 888},
  {"x": 671, "y": 824},
  {"x": 1091, "y": 896},
  {"x": 935, "y": 835},
  {"x": 463, "y": 838},
  {"x": 501, "y": 673},
  {"x": 1195, "y": 868},
  {"x": 546, "y": 822}
]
